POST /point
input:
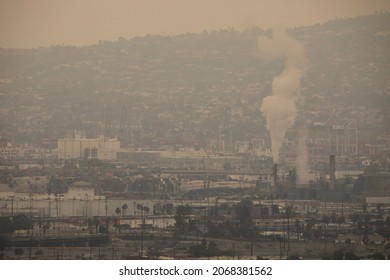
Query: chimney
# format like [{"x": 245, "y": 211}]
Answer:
[
  {"x": 275, "y": 175},
  {"x": 332, "y": 171}
]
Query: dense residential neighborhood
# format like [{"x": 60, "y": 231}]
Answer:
[{"x": 156, "y": 148}]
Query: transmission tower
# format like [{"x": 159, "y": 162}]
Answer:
[
  {"x": 225, "y": 139},
  {"x": 123, "y": 131},
  {"x": 108, "y": 126}
]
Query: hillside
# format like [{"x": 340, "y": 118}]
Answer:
[{"x": 178, "y": 88}]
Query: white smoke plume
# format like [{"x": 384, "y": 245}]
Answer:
[{"x": 280, "y": 109}]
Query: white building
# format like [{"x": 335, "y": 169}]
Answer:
[
  {"x": 80, "y": 147},
  {"x": 10, "y": 152},
  {"x": 81, "y": 191},
  {"x": 26, "y": 152},
  {"x": 378, "y": 200}
]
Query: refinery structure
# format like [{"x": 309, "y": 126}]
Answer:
[{"x": 94, "y": 197}]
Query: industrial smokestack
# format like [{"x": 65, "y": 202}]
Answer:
[
  {"x": 332, "y": 171},
  {"x": 302, "y": 158},
  {"x": 275, "y": 175}
]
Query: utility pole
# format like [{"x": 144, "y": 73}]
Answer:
[
  {"x": 12, "y": 206},
  {"x": 288, "y": 232},
  {"x": 280, "y": 247},
  {"x": 143, "y": 209}
]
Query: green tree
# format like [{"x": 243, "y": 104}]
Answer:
[
  {"x": 244, "y": 215},
  {"x": 124, "y": 208},
  {"x": 385, "y": 232},
  {"x": 275, "y": 209},
  {"x": 227, "y": 166},
  {"x": 4, "y": 243},
  {"x": 96, "y": 223},
  {"x": 378, "y": 256},
  {"x": 293, "y": 257},
  {"x": 22, "y": 221},
  {"x": 19, "y": 251},
  {"x": 364, "y": 207},
  {"x": 298, "y": 228},
  {"x": 46, "y": 227},
  {"x": 118, "y": 211},
  {"x": 182, "y": 219},
  {"x": 355, "y": 217},
  {"x": 103, "y": 229},
  {"x": 224, "y": 207},
  {"x": 212, "y": 249},
  {"x": 153, "y": 253},
  {"x": 6, "y": 225},
  {"x": 326, "y": 219},
  {"x": 340, "y": 220},
  {"x": 338, "y": 255},
  {"x": 308, "y": 233},
  {"x": 351, "y": 256},
  {"x": 39, "y": 252},
  {"x": 217, "y": 230},
  {"x": 157, "y": 209},
  {"x": 168, "y": 208},
  {"x": 139, "y": 208},
  {"x": 333, "y": 217},
  {"x": 379, "y": 208}
]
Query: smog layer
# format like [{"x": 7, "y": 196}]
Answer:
[{"x": 178, "y": 87}]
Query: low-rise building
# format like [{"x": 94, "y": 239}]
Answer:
[
  {"x": 81, "y": 191},
  {"x": 81, "y": 147}
]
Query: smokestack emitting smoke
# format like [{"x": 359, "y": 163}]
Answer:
[{"x": 280, "y": 108}]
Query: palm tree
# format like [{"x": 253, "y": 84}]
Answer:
[
  {"x": 326, "y": 219},
  {"x": 117, "y": 211},
  {"x": 143, "y": 210},
  {"x": 45, "y": 227},
  {"x": 139, "y": 208},
  {"x": 340, "y": 220},
  {"x": 124, "y": 208},
  {"x": 96, "y": 223},
  {"x": 298, "y": 228}
]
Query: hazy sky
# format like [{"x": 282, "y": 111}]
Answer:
[{"x": 34, "y": 23}]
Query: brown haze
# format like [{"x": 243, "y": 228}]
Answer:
[{"x": 26, "y": 23}]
